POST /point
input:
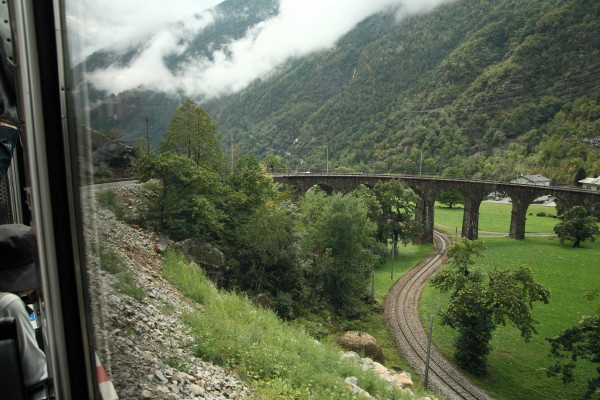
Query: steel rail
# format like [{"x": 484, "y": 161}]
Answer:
[{"x": 402, "y": 315}]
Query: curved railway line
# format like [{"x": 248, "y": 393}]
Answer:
[{"x": 402, "y": 316}]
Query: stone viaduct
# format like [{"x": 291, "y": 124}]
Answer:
[{"x": 429, "y": 188}]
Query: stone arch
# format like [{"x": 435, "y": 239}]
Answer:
[
  {"x": 443, "y": 189},
  {"x": 326, "y": 188}
]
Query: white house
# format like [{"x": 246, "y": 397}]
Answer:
[
  {"x": 538, "y": 180},
  {"x": 592, "y": 184}
]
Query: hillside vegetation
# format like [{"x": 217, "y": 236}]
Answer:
[{"x": 476, "y": 88}]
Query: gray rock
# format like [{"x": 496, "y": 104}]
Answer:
[
  {"x": 161, "y": 376},
  {"x": 361, "y": 341},
  {"x": 211, "y": 259}
]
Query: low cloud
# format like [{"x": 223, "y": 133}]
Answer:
[
  {"x": 120, "y": 24},
  {"x": 301, "y": 27}
]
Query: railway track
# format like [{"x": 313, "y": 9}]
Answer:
[{"x": 403, "y": 318}]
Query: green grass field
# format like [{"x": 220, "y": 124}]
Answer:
[
  {"x": 517, "y": 369},
  {"x": 495, "y": 217}
]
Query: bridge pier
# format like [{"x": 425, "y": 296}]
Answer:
[
  {"x": 518, "y": 215},
  {"x": 470, "y": 225},
  {"x": 424, "y": 214}
]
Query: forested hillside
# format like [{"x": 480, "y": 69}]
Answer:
[{"x": 480, "y": 88}]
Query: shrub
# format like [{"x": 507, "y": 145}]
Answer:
[
  {"x": 281, "y": 360},
  {"x": 283, "y": 305},
  {"x": 102, "y": 170}
]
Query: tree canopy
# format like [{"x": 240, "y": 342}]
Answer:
[
  {"x": 186, "y": 200},
  {"x": 191, "y": 133},
  {"x": 579, "y": 342},
  {"x": 478, "y": 304},
  {"x": 451, "y": 197},
  {"x": 577, "y": 226},
  {"x": 398, "y": 204},
  {"x": 338, "y": 235}
]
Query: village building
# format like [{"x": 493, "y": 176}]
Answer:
[
  {"x": 592, "y": 184},
  {"x": 538, "y": 180}
]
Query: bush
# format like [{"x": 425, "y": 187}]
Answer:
[
  {"x": 102, "y": 170},
  {"x": 541, "y": 214},
  {"x": 283, "y": 305}
]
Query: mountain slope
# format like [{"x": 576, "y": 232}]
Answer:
[
  {"x": 474, "y": 88},
  {"x": 125, "y": 113},
  {"x": 465, "y": 84}
]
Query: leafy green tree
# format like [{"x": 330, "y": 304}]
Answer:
[
  {"x": 185, "y": 198},
  {"x": 268, "y": 250},
  {"x": 451, "y": 197},
  {"x": 369, "y": 198},
  {"x": 577, "y": 226},
  {"x": 273, "y": 163},
  {"x": 249, "y": 188},
  {"x": 478, "y": 305},
  {"x": 338, "y": 235},
  {"x": 396, "y": 220},
  {"x": 141, "y": 147},
  {"x": 191, "y": 133},
  {"x": 579, "y": 342}
]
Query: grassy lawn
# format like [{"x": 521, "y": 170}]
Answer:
[
  {"x": 495, "y": 217},
  {"x": 517, "y": 369}
]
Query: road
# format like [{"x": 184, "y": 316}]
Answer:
[{"x": 403, "y": 318}]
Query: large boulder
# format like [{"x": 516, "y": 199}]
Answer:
[
  {"x": 211, "y": 259},
  {"x": 362, "y": 342}
]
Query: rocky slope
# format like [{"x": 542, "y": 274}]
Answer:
[
  {"x": 140, "y": 339},
  {"x": 145, "y": 348}
]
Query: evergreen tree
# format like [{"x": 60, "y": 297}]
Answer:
[{"x": 192, "y": 134}]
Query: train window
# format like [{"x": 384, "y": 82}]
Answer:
[{"x": 252, "y": 135}]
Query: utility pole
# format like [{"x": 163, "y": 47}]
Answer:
[
  {"x": 147, "y": 136},
  {"x": 373, "y": 285},
  {"x": 231, "y": 137},
  {"x": 327, "y": 149},
  {"x": 421, "y": 163},
  {"x": 393, "y": 258},
  {"x": 428, "y": 350}
]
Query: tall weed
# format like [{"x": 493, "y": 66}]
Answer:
[
  {"x": 113, "y": 263},
  {"x": 281, "y": 360}
]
